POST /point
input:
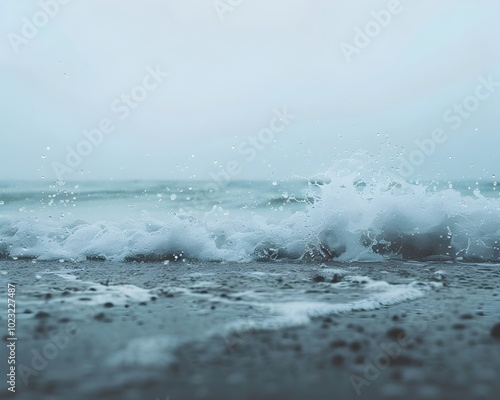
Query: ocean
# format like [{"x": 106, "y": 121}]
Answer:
[
  {"x": 196, "y": 289},
  {"x": 345, "y": 215}
]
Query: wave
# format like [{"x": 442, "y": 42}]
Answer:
[{"x": 358, "y": 213}]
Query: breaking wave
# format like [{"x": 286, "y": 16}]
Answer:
[{"x": 354, "y": 213}]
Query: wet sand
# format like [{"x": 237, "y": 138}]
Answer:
[{"x": 159, "y": 343}]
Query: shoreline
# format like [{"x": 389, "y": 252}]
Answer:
[{"x": 152, "y": 343}]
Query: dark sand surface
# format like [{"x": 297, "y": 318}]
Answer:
[{"x": 441, "y": 346}]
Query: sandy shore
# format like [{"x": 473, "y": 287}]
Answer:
[{"x": 80, "y": 338}]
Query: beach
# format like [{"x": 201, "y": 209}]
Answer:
[{"x": 183, "y": 330}]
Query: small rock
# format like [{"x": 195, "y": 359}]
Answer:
[
  {"x": 42, "y": 315},
  {"x": 108, "y": 305},
  {"x": 495, "y": 331},
  {"x": 319, "y": 278},
  {"x": 337, "y": 360},
  {"x": 396, "y": 333},
  {"x": 355, "y": 346},
  {"x": 102, "y": 318}
]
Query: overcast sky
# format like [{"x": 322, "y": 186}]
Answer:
[{"x": 229, "y": 68}]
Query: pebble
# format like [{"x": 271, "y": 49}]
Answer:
[
  {"x": 337, "y": 360},
  {"x": 495, "y": 331},
  {"x": 355, "y": 346},
  {"x": 42, "y": 315},
  {"x": 396, "y": 333}
]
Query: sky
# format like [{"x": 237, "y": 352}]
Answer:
[{"x": 251, "y": 89}]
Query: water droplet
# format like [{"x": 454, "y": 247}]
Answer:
[
  {"x": 1, "y": 203},
  {"x": 173, "y": 197}
]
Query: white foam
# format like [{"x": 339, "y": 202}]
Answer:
[
  {"x": 283, "y": 312},
  {"x": 154, "y": 352},
  {"x": 362, "y": 214}
]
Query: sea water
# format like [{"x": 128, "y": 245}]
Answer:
[{"x": 350, "y": 213}]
